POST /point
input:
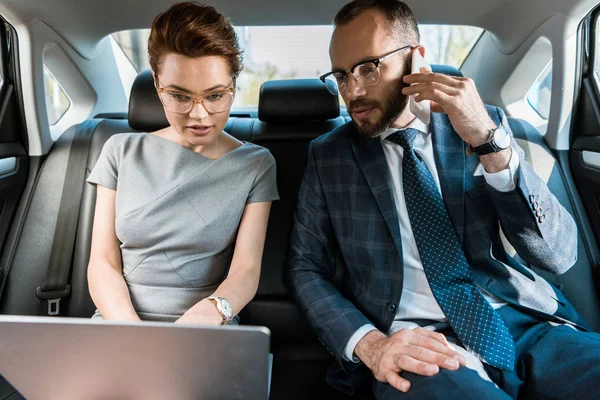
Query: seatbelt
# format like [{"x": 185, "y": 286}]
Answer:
[{"x": 56, "y": 286}]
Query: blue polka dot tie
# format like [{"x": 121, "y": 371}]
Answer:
[{"x": 479, "y": 327}]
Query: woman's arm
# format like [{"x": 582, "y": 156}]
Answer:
[
  {"x": 242, "y": 281},
  {"x": 105, "y": 271}
]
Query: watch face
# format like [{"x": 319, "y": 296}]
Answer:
[
  {"x": 502, "y": 138},
  {"x": 226, "y": 307}
]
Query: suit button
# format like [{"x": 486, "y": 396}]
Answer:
[
  {"x": 531, "y": 198},
  {"x": 534, "y": 205},
  {"x": 391, "y": 307},
  {"x": 541, "y": 218},
  {"x": 538, "y": 212}
]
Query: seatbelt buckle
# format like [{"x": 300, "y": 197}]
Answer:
[{"x": 53, "y": 298}]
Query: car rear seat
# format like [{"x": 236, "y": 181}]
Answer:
[{"x": 291, "y": 113}]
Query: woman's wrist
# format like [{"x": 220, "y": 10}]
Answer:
[
  {"x": 213, "y": 311},
  {"x": 203, "y": 312}
]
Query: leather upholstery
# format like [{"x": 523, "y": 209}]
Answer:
[{"x": 292, "y": 100}]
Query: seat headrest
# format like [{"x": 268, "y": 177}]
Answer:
[
  {"x": 291, "y": 100},
  {"x": 146, "y": 112},
  {"x": 446, "y": 70}
]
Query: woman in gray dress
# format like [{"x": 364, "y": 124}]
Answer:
[{"x": 181, "y": 213}]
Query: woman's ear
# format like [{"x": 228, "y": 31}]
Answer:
[{"x": 155, "y": 79}]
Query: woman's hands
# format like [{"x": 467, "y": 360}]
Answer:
[{"x": 203, "y": 313}]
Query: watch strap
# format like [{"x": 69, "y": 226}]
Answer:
[
  {"x": 485, "y": 148},
  {"x": 216, "y": 301},
  {"x": 489, "y": 147}
]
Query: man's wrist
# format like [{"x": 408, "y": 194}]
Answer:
[
  {"x": 484, "y": 134},
  {"x": 366, "y": 348},
  {"x": 496, "y": 162},
  {"x": 349, "y": 354}
]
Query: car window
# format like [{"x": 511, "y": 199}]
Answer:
[
  {"x": 540, "y": 93},
  {"x": 279, "y": 52},
  {"x": 57, "y": 101},
  {"x": 596, "y": 51}
]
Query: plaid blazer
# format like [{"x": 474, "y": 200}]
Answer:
[{"x": 346, "y": 221}]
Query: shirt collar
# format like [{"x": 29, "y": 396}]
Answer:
[{"x": 415, "y": 124}]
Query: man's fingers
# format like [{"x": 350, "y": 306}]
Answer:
[
  {"x": 423, "y": 87},
  {"x": 397, "y": 381},
  {"x": 436, "y": 95},
  {"x": 436, "y": 108},
  {"x": 420, "y": 340},
  {"x": 432, "y": 357},
  {"x": 433, "y": 77},
  {"x": 434, "y": 335},
  {"x": 417, "y": 366}
]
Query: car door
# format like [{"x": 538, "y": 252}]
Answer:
[
  {"x": 584, "y": 155},
  {"x": 14, "y": 160},
  {"x": 15, "y": 164}
]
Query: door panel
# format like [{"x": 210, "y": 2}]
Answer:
[
  {"x": 14, "y": 160},
  {"x": 584, "y": 155},
  {"x": 585, "y": 152}
]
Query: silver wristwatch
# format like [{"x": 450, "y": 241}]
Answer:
[
  {"x": 498, "y": 140},
  {"x": 223, "y": 307}
]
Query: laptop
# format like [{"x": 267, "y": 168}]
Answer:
[{"x": 71, "y": 358}]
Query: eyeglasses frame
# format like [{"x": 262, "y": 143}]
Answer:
[
  {"x": 195, "y": 99},
  {"x": 376, "y": 61}
]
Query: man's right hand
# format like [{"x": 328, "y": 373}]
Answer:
[{"x": 419, "y": 351}]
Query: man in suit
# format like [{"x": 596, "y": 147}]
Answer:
[{"x": 430, "y": 301}]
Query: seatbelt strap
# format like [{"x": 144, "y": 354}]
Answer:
[{"x": 56, "y": 286}]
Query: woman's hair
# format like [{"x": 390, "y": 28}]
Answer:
[{"x": 193, "y": 30}]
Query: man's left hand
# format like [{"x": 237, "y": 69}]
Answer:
[{"x": 457, "y": 97}]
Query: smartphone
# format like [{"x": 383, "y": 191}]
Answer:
[{"x": 422, "y": 109}]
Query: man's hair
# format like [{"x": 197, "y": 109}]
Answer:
[
  {"x": 401, "y": 18},
  {"x": 193, "y": 30}
]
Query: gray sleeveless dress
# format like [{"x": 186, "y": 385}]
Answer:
[{"x": 177, "y": 215}]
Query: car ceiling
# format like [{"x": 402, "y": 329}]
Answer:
[{"x": 84, "y": 23}]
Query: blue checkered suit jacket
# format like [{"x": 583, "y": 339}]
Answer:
[{"x": 346, "y": 219}]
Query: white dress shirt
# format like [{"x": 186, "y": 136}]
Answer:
[{"x": 417, "y": 301}]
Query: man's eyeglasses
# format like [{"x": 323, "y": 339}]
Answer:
[
  {"x": 182, "y": 103},
  {"x": 365, "y": 72}
]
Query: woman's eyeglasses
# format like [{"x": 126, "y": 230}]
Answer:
[{"x": 182, "y": 103}]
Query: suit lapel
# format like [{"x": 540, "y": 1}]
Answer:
[
  {"x": 371, "y": 160},
  {"x": 449, "y": 153}
]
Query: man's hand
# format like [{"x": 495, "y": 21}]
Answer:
[
  {"x": 457, "y": 97},
  {"x": 203, "y": 313},
  {"x": 419, "y": 351}
]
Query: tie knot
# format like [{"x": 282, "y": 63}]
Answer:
[{"x": 404, "y": 137}]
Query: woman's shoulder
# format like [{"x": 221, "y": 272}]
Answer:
[
  {"x": 120, "y": 144},
  {"x": 253, "y": 152},
  {"x": 122, "y": 139}
]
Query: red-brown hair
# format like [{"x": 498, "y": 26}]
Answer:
[{"x": 194, "y": 30}]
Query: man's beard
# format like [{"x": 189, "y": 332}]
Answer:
[{"x": 390, "y": 112}]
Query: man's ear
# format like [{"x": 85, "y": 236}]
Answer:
[{"x": 421, "y": 50}]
